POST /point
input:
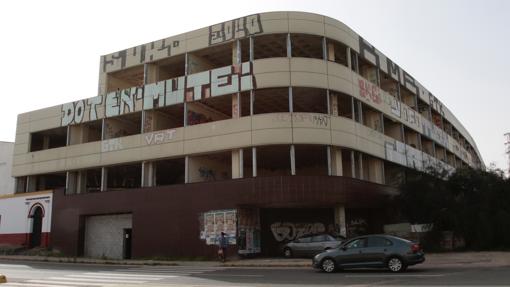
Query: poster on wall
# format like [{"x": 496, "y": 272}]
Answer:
[
  {"x": 214, "y": 222},
  {"x": 249, "y": 231}
]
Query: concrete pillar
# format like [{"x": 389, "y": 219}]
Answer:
[
  {"x": 349, "y": 60},
  {"x": 104, "y": 178},
  {"x": 236, "y": 106},
  {"x": 353, "y": 165},
  {"x": 375, "y": 170},
  {"x": 333, "y": 104},
  {"x": 340, "y": 220},
  {"x": 151, "y": 73},
  {"x": 254, "y": 161},
  {"x": 236, "y": 160},
  {"x": 289, "y": 47},
  {"x": 81, "y": 182},
  {"x": 186, "y": 169},
  {"x": 291, "y": 101},
  {"x": 148, "y": 176},
  {"x": 336, "y": 161},
  {"x": 292, "y": 160}
]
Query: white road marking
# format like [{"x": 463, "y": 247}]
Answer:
[
  {"x": 60, "y": 282},
  {"x": 394, "y": 275},
  {"x": 120, "y": 276},
  {"x": 129, "y": 275},
  {"x": 95, "y": 280},
  {"x": 34, "y": 285}
]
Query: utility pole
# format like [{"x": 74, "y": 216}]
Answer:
[{"x": 507, "y": 151}]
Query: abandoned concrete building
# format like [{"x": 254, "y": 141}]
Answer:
[{"x": 266, "y": 127}]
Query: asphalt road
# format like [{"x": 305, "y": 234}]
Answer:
[{"x": 45, "y": 274}]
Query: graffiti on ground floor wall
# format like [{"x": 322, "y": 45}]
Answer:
[
  {"x": 214, "y": 222},
  {"x": 283, "y": 231}
]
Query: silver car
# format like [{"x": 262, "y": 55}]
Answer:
[
  {"x": 371, "y": 251},
  {"x": 308, "y": 246}
]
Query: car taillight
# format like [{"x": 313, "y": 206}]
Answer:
[{"x": 415, "y": 248}]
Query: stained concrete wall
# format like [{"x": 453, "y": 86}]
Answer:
[{"x": 104, "y": 235}]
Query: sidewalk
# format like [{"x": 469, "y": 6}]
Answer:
[{"x": 485, "y": 259}]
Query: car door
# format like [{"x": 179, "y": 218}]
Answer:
[
  {"x": 351, "y": 253},
  {"x": 376, "y": 250},
  {"x": 302, "y": 246},
  {"x": 317, "y": 245}
]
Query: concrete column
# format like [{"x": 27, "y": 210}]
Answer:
[
  {"x": 349, "y": 60},
  {"x": 70, "y": 182},
  {"x": 353, "y": 165},
  {"x": 289, "y": 47},
  {"x": 252, "y": 98},
  {"x": 251, "y": 50},
  {"x": 328, "y": 155},
  {"x": 148, "y": 177},
  {"x": 236, "y": 106},
  {"x": 292, "y": 160},
  {"x": 46, "y": 142},
  {"x": 333, "y": 104},
  {"x": 291, "y": 101},
  {"x": 81, "y": 182},
  {"x": 104, "y": 179},
  {"x": 236, "y": 168},
  {"x": 340, "y": 220},
  {"x": 375, "y": 170},
  {"x": 186, "y": 169},
  {"x": 336, "y": 161},
  {"x": 254, "y": 161},
  {"x": 150, "y": 73},
  {"x": 360, "y": 159},
  {"x": 324, "y": 49}
]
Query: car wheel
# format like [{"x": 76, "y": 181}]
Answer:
[
  {"x": 396, "y": 264},
  {"x": 328, "y": 265},
  {"x": 287, "y": 252}
]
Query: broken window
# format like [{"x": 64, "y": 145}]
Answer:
[
  {"x": 270, "y": 46},
  {"x": 372, "y": 118},
  {"x": 122, "y": 126},
  {"x": 86, "y": 132},
  {"x": 273, "y": 100},
  {"x": 127, "y": 78},
  {"x": 337, "y": 52},
  {"x": 124, "y": 176},
  {"x": 48, "y": 139},
  {"x": 306, "y": 46},
  {"x": 210, "y": 167},
  {"x": 210, "y": 58},
  {"x": 169, "y": 171},
  {"x": 393, "y": 129},
  {"x": 311, "y": 160},
  {"x": 273, "y": 160},
  {"x": 309, "y": 100}
]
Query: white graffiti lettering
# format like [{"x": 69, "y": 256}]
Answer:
[{"x": 290, "y": 231}]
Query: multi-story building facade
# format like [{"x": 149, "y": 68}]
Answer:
[{"x": 266, "y": 127}]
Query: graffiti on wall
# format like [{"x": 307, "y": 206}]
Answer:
[
  {"x": 111, "y": 145},
  {"x": 235, "y": 29},
  {"x": 369, "y": 92},
  {"x": 212, "y": 83},
  {"x": 159, "y": 137},
  {"x": 316, "y": 120},
  {"x": 214, "y": 222},
  {"x": 395, "y": 152},
  {"x": 284, "y": 231}
]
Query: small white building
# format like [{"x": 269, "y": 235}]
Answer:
[
  {"x": 6, "y": 180},
  {"x": 25, "y": 219}
]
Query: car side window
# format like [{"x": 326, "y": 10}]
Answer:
[
  {"x": 330, "y": 238},
  {"x": 304, "y": 240},
  {"x": 378, "y": 242},
  {"x": 319, "y": 238},
  {"x": 358, "y": 243}
]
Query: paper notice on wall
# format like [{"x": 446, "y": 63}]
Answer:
[{"x": 214, "y": 222}]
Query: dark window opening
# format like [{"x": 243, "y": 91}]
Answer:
[
  {"x": 21, "y": 184},
  {"x": 393, "y": 129},
  {"x": 371, "y": 118},
  {"x": 368, "y": 71},
  {"x": 412, "y": 138},
  {"x": 245, "y": 50},
  {"x": 273, "y": 160},
  {"x": 86, "y": 132},
  {"x": 122, "y": 126},
  {"x": 124, "y": 176},
  {"x": 169, "y": 117},
  {"x": 92, "y": 180},
  {"x": 273, "y": 100},
  {"x": 210, "y": 167},
  {"x": 270, "y": 46},
  {"x": 170, "y": 68},
  {"x": 48, "y": 139},
  {"x": 337, "y": 52},
  {"x": 343, "y": 104},
  {"x": 347, "y": 163},
  {"x": 309, "y": 100},
  {"x": 394, "y": 175},
  {"x": 388, "y": 84},
  {"x": 169, "y": 171},
  {"x": 127, "y": 78},
  {"x": 50, "y": 181},
  {"x": 210, "y": 110},
  {"x": 210, "y": 58},
  {"x": 247, "y": 162},
  {"x": 306, "y": 46},
  {"x": 311, "y": 160},
  {"x": 424, "y": 109},
  {"x": 408, "y": 97}
]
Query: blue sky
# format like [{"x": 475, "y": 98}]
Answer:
[{"x": 457, "y": 49}]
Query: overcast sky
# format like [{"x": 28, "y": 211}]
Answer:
[{"x": 459, "y": 50}]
